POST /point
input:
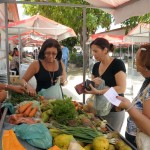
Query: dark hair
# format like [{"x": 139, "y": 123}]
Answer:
[
  {"x": 48, "y": 44},
  {"x": 103, "y": 43},
  {"x": 145, "y": 55}
]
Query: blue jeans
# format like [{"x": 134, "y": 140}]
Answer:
[{"x": 65, "y": 61}]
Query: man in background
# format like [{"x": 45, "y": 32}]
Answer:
[{"x": 65, "y": 56}]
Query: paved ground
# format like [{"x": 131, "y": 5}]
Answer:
[{"x": 75, "y": 76}]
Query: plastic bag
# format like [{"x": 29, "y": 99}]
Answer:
[
  {"x": 36, "y": 134},
  {"x": 53, "y": 92},
  {"x": 101, "y": 104}
]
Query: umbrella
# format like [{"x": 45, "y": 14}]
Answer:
[
  {"x": 140, "y": 34},
  {"x": 42, "y": 25},
  {"x": 123, "y": 9}
]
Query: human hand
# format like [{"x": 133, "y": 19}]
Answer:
[
  {"x": 19, "y": 89},
  {"x": 125, "y": 103},
  {"x": 92, "y": 91},
  {"x": 31, "y": 91},
  {"x": 97, "y": 81}
]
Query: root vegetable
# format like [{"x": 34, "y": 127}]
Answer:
[
  {"x": 27, "y": 112},
  {"x": 24, "y": 107},
  {"x": 33, "y": 112}
]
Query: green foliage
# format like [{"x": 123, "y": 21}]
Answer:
[
  {"x": 72, "y": 17},
  {"x": 63, "y": 111},
  {"x": 69, "y": 42},
  {"x": 79, "y": 63},
  {"x": 73, "y": 58},
  {"x": 134, "y": 21}
]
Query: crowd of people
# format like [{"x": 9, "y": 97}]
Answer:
[{"x": 51, "y": 65}]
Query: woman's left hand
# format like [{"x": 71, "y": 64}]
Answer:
[
  {"x": 97, "y": 81},
  {"x": 92, "y": 91}
]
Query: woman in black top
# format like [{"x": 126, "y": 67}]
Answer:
[
  {"x": 46, "y": 69},
  {"x": 113, "y": 72}
]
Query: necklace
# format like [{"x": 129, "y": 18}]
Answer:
[{"x": 51, "y": 74}]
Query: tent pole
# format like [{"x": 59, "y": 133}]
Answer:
[
  {"x": 84, "y": 47},
  {"x": 19, "y": 48},
  {"x": 6, "y": 42}
]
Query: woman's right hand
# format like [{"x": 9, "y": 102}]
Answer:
[{"x": 31, "y": 91}]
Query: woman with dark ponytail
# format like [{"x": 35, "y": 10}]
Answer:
[{"x": 113, "y": 72}]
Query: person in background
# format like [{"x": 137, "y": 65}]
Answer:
[
  {"x": 113, "y": 72},
  {"x": 5, "y": 87},
  {"x": 14, "y": 64},
  {"x": 47, "y": 69},
  {"x": 139, "y": 112},
  {"x": 65, "y": 56}
]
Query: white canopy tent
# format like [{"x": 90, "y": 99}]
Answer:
[
  {"x": 140, "y": 34},
  {"x": 122, "y": 9},
  {"x": 42, "y": 25}
]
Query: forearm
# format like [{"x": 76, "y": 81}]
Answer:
[
  {"x": 3, "y": 95},
  {"x": 142, "y": 122},
  {"x": 25, "y": 84},
  {"x": 6, "y": 87}
]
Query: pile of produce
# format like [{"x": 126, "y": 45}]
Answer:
[{"x": 73, "y": 126}]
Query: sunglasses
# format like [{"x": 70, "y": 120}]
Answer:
[{"x": 49, "y": 53}]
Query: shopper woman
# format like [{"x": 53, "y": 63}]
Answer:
[{"x": 113, "y": 72}]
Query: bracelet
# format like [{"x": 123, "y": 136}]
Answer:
[
  {"x": 131, "y": 106},
  {"x": 25, "y": 84},
  {"x": 6, "y": 87}
]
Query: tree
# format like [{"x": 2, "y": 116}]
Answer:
[{"x": 72, "y": 17}]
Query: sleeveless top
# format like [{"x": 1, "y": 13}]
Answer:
[{"x": 44, "y": 78}]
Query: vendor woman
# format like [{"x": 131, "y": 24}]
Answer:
[{"x": 47, "y": 69}]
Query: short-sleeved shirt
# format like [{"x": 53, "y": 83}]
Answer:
[
  {"x": 108, "y": 76},
  {"x": 65, "y": 53},
  {"x": 142, "y": 96},
  {"x": 44, "y": 77}
]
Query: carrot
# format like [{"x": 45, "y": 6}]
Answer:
[
  {"x": 33, "y": 112},
  {"x": 28, "y": 110},
  {"x": 24, "y": 107},
  {"x": 54, "y": 148}
]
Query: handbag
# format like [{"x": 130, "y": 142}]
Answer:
[{"x": 142, "y": 141}]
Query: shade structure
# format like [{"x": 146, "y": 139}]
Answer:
[
  {"x": 28, "y": 38},
  {"x": 42, "y": 25},
  {"x": 111, "y": 38},
  {"x": 140, "y": 34},
  {"x": 122, "y": 9}
]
